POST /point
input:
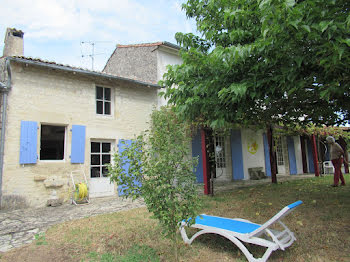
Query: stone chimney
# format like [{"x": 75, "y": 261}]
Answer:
[{"x": 13, "y": 42}]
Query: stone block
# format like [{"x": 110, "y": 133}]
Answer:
[
  {"x": 53, "y": 181},
  {"x": 39, "y": 178},
  {"x": 256, "y": 173},
  {"x": 54, "y": 200}
]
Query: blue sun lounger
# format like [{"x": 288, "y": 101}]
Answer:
[{"x": 241, "y": 231}]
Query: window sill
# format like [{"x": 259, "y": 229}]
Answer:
[
  {"x": 52, "y": 161},
  {"x": 105, "y": 116}
]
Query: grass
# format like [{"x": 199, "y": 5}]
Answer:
[
  {"x": 40, "y": 239},
  {"x": 321, "y": 226}
]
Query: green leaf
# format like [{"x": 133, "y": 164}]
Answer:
[
  {"x": 324, "y": 25},
  {"x": 307, "y": 28},
  {"x": 346, "y": 41},
  {"x": 290, "y": 3}
]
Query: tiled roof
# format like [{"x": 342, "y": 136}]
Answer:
[
  {"x": 39, "y": 60},
  {"x": 150, "y": 44},
  {"x": 54, "y": 65}
]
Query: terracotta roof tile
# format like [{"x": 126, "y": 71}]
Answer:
[
  {"x": 165, "y": 43},
  {"x": 40, "y": 62},
  {"x": 141, "y": 45},
  {"x": 52, "y": 63}
]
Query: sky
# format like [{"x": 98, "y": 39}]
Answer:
[{"x": 63, "y": 31}]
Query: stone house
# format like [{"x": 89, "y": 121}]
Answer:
[
  {"x": 237, "y": 154},
  {"x": 57, "y": 119}
]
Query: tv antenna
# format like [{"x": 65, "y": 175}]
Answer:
[{"x": 92, "y": 54}]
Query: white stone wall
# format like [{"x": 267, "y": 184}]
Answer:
[
  {"x": 165, "y": 56},
  {"x": 251, "y": 157},
  {"x": 298, "y": 155},
  {"x": 52, "y": 97}
]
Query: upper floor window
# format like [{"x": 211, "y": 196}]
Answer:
[{"x": 103, "y": 100}]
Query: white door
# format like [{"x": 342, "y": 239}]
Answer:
[
  {"x": 222, "y": 158},
  {"x": 280, "y": 156},
  {"x": 101, "y": 155}
]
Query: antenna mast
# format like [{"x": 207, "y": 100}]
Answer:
[{"x": 92, "y": 55}]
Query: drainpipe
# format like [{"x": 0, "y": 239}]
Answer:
[{"x": 4, "y": 89}]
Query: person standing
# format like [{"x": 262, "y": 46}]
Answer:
[{"x": 336, "y": 155}]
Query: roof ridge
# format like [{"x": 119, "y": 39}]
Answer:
[
  {"x": 141, "y": 44},
  {"x": 159, "y": 43}
]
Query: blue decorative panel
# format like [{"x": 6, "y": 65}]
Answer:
[
  {"x": 28, "y": 142},
  {"x": 291, "y": 155},
  {"x": 237, "y": 155},
  {"x": 78, "y": 144},
  {"x": 267, "y": 156},
  {"x": 122, "y": 145},
  {"x": 197, "y": 152},
  {"x": 310, "y": 157}
]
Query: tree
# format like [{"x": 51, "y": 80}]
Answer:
[
  {"x": 263, "y": 62},
  {"x": 156, "y": 166}
]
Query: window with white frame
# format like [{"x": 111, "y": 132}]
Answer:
[
  {"x": 103, "y": 100},
  {"x": 220, "y": 159},
  {"x": 52, "y": 142},
  {"x": 279, "y": 151},
  {"x": 100, "y": 158}
]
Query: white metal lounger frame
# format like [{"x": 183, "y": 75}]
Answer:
[{"x": 275, "y": 239}]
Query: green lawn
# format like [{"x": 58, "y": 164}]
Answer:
[{"x": 321, "y": 225}]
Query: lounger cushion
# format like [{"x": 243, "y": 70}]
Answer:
[
  {"x": 295, "y": 204},
  {"x": 227, "y": 224}
]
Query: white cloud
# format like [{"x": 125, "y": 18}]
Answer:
[{"x": 68, "y": 22}]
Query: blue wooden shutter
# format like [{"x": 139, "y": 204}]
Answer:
[
  {"x": 291, "y": 155},
  {"x": 122, "y": 144},
  {"x": 197, "y": 152},
  {"x": 29, "y": 142},
  {"x": 78, "y": 144},
  {"x": 237, "y": 155}
]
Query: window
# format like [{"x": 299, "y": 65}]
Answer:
[
  {"x": 52, "y": 142},
  {"x": 279, "y": 151},
  {"x": 103, "y": 100},
  {"x": 100, "y": 157},
  {"x": 220, "y": 152}
]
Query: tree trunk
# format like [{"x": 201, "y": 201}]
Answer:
[
  {"x": 205, "y": 163},
  {"x": 314, "y": 154},
  {"x": 272, "y": 155},
  {"x": 303, "y": 154},
  {"x": 176, "y": 256}
]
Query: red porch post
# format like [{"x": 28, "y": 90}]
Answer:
[
  {"x": 314, "y": 154},
  {"x": 205, "y": 163},
  {"x": 344, "y": 145}
]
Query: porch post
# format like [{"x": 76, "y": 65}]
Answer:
[
  {"x": 314, "y": 154},
  {"x": 343, "y": 145},
  {"x": 204, "y": 163}
]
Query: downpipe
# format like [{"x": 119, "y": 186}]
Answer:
[{"x": 4, "y": 89}]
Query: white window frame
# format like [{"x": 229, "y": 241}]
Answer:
[
  {"x": 65, "y": 143},
  {"x": 111, "y": 152},
  {"x": 103, "y": 101},
  {"x": 279, "y": 151},
  {"x": 220, "y": 157}
]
